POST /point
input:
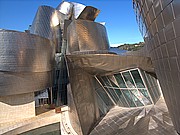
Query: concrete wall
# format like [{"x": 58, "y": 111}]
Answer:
[{"x": 17, "y": 107}]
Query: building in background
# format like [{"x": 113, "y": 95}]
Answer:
[{"x": 64, "y": 58}]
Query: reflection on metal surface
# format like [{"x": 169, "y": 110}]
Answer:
[
  {"x": 128, "y": 88},
  {"x": 66, "y": 8},
  {"x": 26, "y": 62},
  {"x": 24, "y": 82},
  {"x": 89, "y": 13},
  {"x": 77, "y": 9},
  {"x": 159, "y": 24},
  {"x": 71, "y": 9},
  {"x": 109, "y": 63},
  {"x": 86, "y": 36},
  {"x": 45, "y": 20},
  {"x": 23, "y": 52}
]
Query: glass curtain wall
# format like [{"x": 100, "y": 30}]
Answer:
[
  {"x": 129, "y": 88},
  {"x": 103, "y": 99}
]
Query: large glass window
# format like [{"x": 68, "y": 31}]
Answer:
[{"x": 129, "y": 89}]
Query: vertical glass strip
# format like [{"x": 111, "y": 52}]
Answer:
[
  {"x": 120, "y": 81},
  {"x": 128, "y": 80},
  {"x": 137, "y": 79},
  {"x": 128, "y": 98},
  {"x": 136, "y": 96},
  {"x": 121, "y": 97}
]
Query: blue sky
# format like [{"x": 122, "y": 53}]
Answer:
[{"x": 119, "y": 16}]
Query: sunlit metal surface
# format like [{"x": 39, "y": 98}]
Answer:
[
  {"x": 24, "y": 52},
  {"x": 71, "y": 9},
  {"x": 86, "y": 36},
  {"x": 65, "y": 8},
  {"x": 159, "y": 24},
  {"x": 45, "y": 21},
  {"x": 89, "y": 13},
  {"x": 78, "y": 11},
  {"x": 78, "y": 8},
  {"x": 109, "y": 63},
  {"x": 26, "y": 62}
]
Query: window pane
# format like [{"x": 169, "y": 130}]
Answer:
[
  {"x": 121, "y": 97},
  {"x": 146, "y": 99},
  {"x": 106, "y": 82},
  {"x": 128, "y": 80},
  {"x": 114, "y": 85},
  {"x": 137, "y": 79},
  {"x": 114, "y": 95},
  {"x": 104, "y": 97},
  {"x": 120, "y": 80},
  {"x": 128, "y": 98},
  {"x": 136, "y": 97}
]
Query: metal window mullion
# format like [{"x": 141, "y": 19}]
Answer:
[
  {"x": 145, "y": 84},
  {"x": 105, "y": 90}
]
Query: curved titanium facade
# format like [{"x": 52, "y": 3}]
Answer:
[
  {"x": 86, "y": 36},
  {"x": 25, "y": 64},
  {"x": 71, "y": 9},
  {"x": 45, "y": 21},
  {"x": 159, "y": 24}
]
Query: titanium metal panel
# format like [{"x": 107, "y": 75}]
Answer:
[
  {"x": 26, "y": 62},
  {"x": 24, "y": 52},
  {"x": 66, "y": 8},
  {"x": 165, "y": 55},
  {"x": 89, "y": 13},
  {"x": 86, "y": 36},
  {"x": 24, "y": 82},
  {"x": 97, "y": 64},
  {"x": 77, "y": 9},
  {"x": 45, "y": 21},
  {"x": 85, "y": 109},
  {"x": 71, "y": 9}
]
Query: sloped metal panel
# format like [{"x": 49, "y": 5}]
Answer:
[
  {"x": 97, "y": 64},
  {"x": 89, "y": 13}
]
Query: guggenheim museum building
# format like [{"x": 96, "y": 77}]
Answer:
[{"x": 64, "y": 59}]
